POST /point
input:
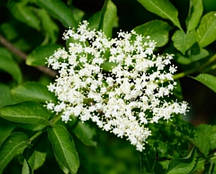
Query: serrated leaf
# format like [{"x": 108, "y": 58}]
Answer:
[
  {"x": 183, "y": 41},
  {"x": 32, "y": 91},
  {"x": 5, "y": 131},
  {"x": 64, "y": 148},
  {"x": 206, "y": 32},
  {"x": 15, "y": 145},
  {"x": 48, "y": 25},
  {"x": 27, "y": 112},
  {"x": 158, "y": 31},
  {"x": 25, "y": 167},
  {"x": 5, "y": 95},
  {"x": 162, "y": 8},
  {"x": 24, "y": 14},
  {"x": 207, "y": 80},
  {"x": 195, "y": 13},
  {"x": 106, "y": 19},
  {"x": 38, "y": 56},
  {"x": 60, "y": 11},
  {"x": 85, "y": 134},
  {"x": 37, "y": 159},
  {"x": 8, "y": 65}
]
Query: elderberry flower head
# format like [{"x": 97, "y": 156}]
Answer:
[{"x": 119, "y": 83}]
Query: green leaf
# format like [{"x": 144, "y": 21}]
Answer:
[
  {"x": 38, "y": 56},
  {"x": 184, "y": 165},
  {"x": 192, "y": 58},
  {"x": 162, "y": 8},
  {"x": 27, "y": 112},
  {"x": 203, "y": 53},
  {"x": 78, "y": 14},
  {"x": 37, "y": 159},
  {"x": 183, "y": 41},
  {"x": 15, "y": 145},
  {"x": 106, "y": 19},
  {"x": 158, "y": 31},
  {"x": 85, "y": 134},
  {"x": 33, "y": 91},
  {"x": 5, "y": 95},
  {"x": 8, "y": 65},
  {"x": 206, "y": 32},
  {"x": 25, "y": 167},
  {"x": 48, "y": 25},
  {"x": 94, "y": 20},
  {"x": 64, "y": 148},
  {"x": 207, "y": 80},
  {"x": 8, "y": 30},
  {"x": 110, "y": 19},
  {"x": 202, "y": 141},
  {"x": 24, "y": 14},
  {"x": 195, "y": 13},
  {"x": 60, "y": 11},
  {"x": 5, "y": 131}
]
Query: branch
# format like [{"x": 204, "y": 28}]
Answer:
[{"x": 23, "y": 56}]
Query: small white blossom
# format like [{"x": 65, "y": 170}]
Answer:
[{"x": 123, "y": 99}]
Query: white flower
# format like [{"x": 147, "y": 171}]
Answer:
[{"x": 123, "y": 100}]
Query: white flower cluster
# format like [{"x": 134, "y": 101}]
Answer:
[{"x": 117, "y": 83}]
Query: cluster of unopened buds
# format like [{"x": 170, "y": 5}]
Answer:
[{"x": 119, "y": 83}]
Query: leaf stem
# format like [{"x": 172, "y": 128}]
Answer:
[
  {"x": 186, "y": 73},
  {"x": 37, "y": 134},
  {"x": 55, "y": 119}
]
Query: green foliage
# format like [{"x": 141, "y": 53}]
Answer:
[
  {"x": 206, "y": 32},
  {"x": 5, "y": 95},
  {"x": 192, "y": 58},
  {"x": 5, "y": 131},
  {"x": 183, "y": 41},
  {"x": 64, "y": 148},
  {"x": 32, "y": 91},
  {"x": 184, "y": 165},
  {"x": 15, "y": 145},
  {"x": 195, "y": 12},
  {"x": 105, "y": 19},
  {"x": 32, "y": 139},
  {"x": 36, "y": 160},
  {"x": 24, "y": 14},
  {"x": 208, "y": 80},
  {"x": 158, "y": 31},
  {"x": 25, "y": 168},
  {"x": 84, "y": 133},
  {"x": 60, "y": 11},
  {"x": 8, "y": 65},
  {"x": 203, "y": 142},
  {"x": 39, "y": 55},
  {"x": 27, "y": 112},
  {"x": 162, "y": 8},
  {"x": 49, "y": 26}
]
